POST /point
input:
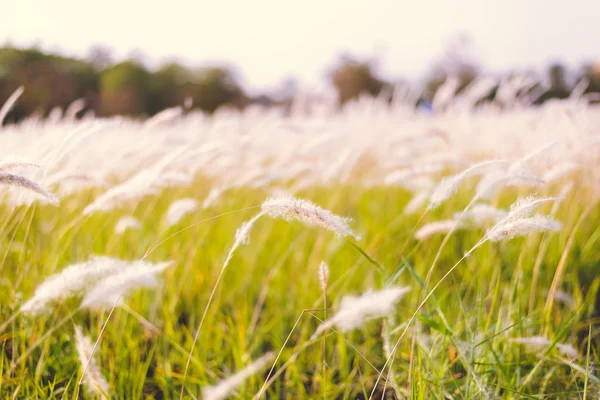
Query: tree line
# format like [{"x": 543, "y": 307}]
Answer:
[{"x": 128, "y": 88}]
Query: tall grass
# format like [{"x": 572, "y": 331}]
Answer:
[{"x": 490, "y": 291}]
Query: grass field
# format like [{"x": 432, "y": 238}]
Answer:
[{"x": 461, "y": 343}]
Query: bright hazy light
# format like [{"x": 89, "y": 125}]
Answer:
[{"x": 270, "y": 40}]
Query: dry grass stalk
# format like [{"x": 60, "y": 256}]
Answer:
[{"x": 93, "y": 378}]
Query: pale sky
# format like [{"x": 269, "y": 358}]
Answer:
[{"x": 270, "y": 40}]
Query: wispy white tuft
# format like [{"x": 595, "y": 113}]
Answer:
[
  {"x": 145, "y": 182},
  {"x": 9, "y": 104},
  {"x": 20, "y": 181},
  {"x": 565, "y": 298},
  {"x": 449, "y": 185},
  {"x": 289, "y": 208},
  {"x": 519, "y": 222},
  {"x": 11, "y": 163},
  {"x": 355, "y": 310},
  {"x": 224, "y": 388},
  {"x": 106, "y": 292},
  {"x": 416, "y": 202},
  {"x": 560, "y": 171},
  {"x": 212, "y": 196},
  {"x": 525, "y": 206},
  {"x": 536, "y": 344},
  {"x": 74, "y": 108},
  {"x": 492, "y": 182},
  {"x": 480, "y": 214},
  {"x": 407, "y": 174},
  {"x": 179, "y": 208},
  {"x": 70, "y": 281},
  {"x": 520, "y": 166},
  {"x": 126, "y": 223},
  {"x": 164, "y": 116},
  {"x": 93, "y": 378},
  {"x": 323, "y": 275},
  {"x": 523, "y": 226},
  {"x": 438, "y": 227},
  {"x": 241, "y": 237}
]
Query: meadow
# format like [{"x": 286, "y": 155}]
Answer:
[{"x": 172, "y": 258}]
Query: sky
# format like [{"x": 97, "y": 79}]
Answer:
[{"x": 269, "y": 41}]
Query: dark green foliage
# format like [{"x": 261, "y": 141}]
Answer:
[{"x": 126, "y": 88}]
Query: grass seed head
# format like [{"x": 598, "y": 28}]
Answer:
[{"x": 290, "y": 208}]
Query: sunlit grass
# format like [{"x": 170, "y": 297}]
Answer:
[{"x": 458, "y": 347}]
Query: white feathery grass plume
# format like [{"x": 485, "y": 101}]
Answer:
[
  {"x": 488, "y": 186},
  {"x": 387, "y": 352},
  {"x": 480, "y": 214},
  {"x": 94, "y": 380},
  {"x": 20, "y": 181},
  {"x": 248, "y": 177},
  {"x": 55, "y": 115},
  {"x": 70, "y": 281},
  {"x": 323, "y": 275},
  {"x": 144, "y": 182},
  {"x": 565, "y": 298},
  {"x": 179, "y": 208},
  {"x": 449, "y": 185},
  {"x": 126, "y": 223},
  {"x": 523, "y": 226},
  {"x": 69, "y": 182},
  {"x": 579, "y": 89},
  {"x": 445, "y": 94},
  {"x": 135, "y": 187},
  {"x": 74, "y": 139},
  {"x": 224, "y": 388},
  {"x": 60, "y": 177},
  {"x": 478, "y": 89},
  {"x": 443, "y": 226},
  {"x": 420, "y": 183},
  {"x": 9, "y": 104},
  {"x": 290, "y": 208},
  {"x": 445, "y": 158},
  {"x": 164, "y": 116},
  {"x": 537, "y": 344},
  {"x": 385, "y": 336},
  {"x": 405, "y": 174},
  {"x": 560, "y": 171},
  {"x": 342, "y": 163},
  {"x": 355, "y": 310},
  {"x": 11, "y": 163},
  {"x": 525, "y": 206},
  {"x": 107, "y": 292},
  {"x": 519, "y": 166},
  {"x": 212, "y": 196},
  {"x": 75, "y": 107},
  {"x": 171, "y": 178},
  {"x": 241, "y": 237},
  {"x": 416, "y": 202}
]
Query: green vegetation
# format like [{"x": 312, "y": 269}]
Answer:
[
  {"x": 458, "y": 347},
  {"x": 129, "y": 88}
]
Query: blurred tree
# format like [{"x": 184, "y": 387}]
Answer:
[
  {"x": 125, "y": 89},
  {"x": 558, "y": 84},
  {"x": 214, "y": 87},
  {"x": 49, "y": 80},
  {"x": 457, "y": 62},
  {"x": 352, "y": 78},
  {"x": 591, "y": 73},
  {"x": 170, "y": 86},
  {"x": 99, "y": 57}
]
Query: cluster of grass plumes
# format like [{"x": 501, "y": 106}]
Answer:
[{"x": 475, "y": 261}]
